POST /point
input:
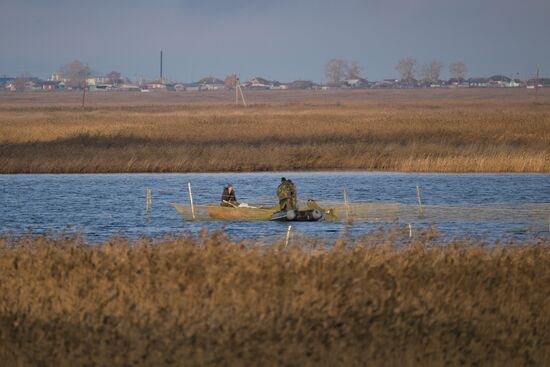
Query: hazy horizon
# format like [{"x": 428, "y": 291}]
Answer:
[{"x": 284, "y": 40}]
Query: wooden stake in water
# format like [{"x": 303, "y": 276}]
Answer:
[
  {"x": 346, "y": 204},
  {"x": 191, "y": 200},
  {"x": 288, "y": 235},
  {"x": 419, "y": 200},
  {"x": 410, "y": 230},
  {"x": 147, "y": 204}
]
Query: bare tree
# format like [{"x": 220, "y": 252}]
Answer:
[
  {"x": 115, "y": 77},
  {"x": 354, "y": 70},
  {"x": 406, "y": 67},
  {"x": 336, "y": 70},
  {"x": 458, "y": 70},
  {"x": 20, "y": 83},
  {"x": 76, "y": 74},
  {"x": 230, "y": 81},
  {"x": 430, "y": 72}
]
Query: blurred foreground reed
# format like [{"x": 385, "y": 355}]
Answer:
[{"x": 209, "y": 301}]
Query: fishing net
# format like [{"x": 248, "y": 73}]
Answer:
[{"x": 392, "y": 211}]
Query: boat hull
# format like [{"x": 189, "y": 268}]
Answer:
[{"x": 229, "y": 213}]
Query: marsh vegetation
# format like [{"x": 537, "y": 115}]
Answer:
[
  {"x": 206, "y": 300},
  {"x": 418, "y": 130}
]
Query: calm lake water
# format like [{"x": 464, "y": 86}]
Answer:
[{"x": 114, "y": 204}]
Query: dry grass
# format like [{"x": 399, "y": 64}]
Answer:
[
  {"x": 420, "y": 130},
  {"x": 208, "y": 301}
]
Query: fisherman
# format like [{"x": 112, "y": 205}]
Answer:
[
  {"x": 284, "y": 195},
  {"x": 292, "y": 188},
  {"x": 228, "y": 196}
]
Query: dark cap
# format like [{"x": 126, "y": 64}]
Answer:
[
  {"x": 229, "y": 185},
  {"x": 283, "y": 179}
]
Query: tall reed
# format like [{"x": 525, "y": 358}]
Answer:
[
  {"x": 447, "y": 131},
  {"x": 209, "y": 301}
]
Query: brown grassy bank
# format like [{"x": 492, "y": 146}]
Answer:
[
  {"x": 211, "y": 302},
  {"x": 442, "y": 131}
]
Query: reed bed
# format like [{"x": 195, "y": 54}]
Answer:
[
  {"x": 425, "y": 131},
  {"x": 205, "y": 300}
]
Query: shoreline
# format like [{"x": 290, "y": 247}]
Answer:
[{"x": 334, "y": 171}]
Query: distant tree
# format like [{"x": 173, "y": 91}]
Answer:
[
  {"x": 458, "y": 70},
  {"x": 406, "y": 67},
  {"x": 354, "y": 70},
  {"x": 430, "y": 72},
  {"x": 75, "y": 73},
  {"x": 336, "y": 70},
  {"x": 20, "y": 83},
  {"x": 115, "y": 77},
  {"x": 230, "y": 81}
]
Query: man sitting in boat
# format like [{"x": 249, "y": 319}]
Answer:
[{"x": 228, "y": 197}]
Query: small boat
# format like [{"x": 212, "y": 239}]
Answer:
[{"x": 250, "y": 213}]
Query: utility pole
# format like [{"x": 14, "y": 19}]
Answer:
[
  {"x": 161, "y": 67},
  {"x": 537, "y": 84},
  {"x": 85, "y": 86},
  {"x": 236, "y": 91}
]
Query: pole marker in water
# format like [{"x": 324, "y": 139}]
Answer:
[
  {"x": 419, "y": 200},
  {"x": 191, "y": 200},
  {"x": 147, "y": 204}
]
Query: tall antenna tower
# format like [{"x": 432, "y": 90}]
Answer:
[{"x": 161, "y": 79}]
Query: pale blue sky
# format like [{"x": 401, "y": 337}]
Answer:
[{"x": 283, "y": 40}]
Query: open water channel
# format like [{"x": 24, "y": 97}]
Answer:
[{"x": 104, "y": 205}]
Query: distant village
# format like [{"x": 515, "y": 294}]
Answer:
[{"x": 77, "y": 76}]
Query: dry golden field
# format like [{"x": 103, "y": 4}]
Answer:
[
  {"x": 472, "y": 130},
  {"x": 207, "y": 301}
]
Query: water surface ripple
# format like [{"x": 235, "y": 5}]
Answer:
[{"x": 103, "y": 205}]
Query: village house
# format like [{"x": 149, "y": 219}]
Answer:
[
  {"x": 155, "y": 85},
  {"x": 386, "y": 83},
  {"x": 458, "y": 83},
  {"x": 479, "y": 82},
  {"x": 358, "y": 83},
  {"x": 192, "y": 87},
  {"x": 4, "y": 80},
  {"x": 50, "y": 85},
  {"x": 211, "y": 83},
  {"x": 539, "y": 83},
  {"x": 258, "y": 83},
  {"x": 128, "y": 87},
  {"x": 24, "y": 84}
]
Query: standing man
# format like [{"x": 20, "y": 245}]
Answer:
[
  {"x": 228, "y": 196},
  {"x": 284, "y": 195},
  {"x": 293, "y": 199}
]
